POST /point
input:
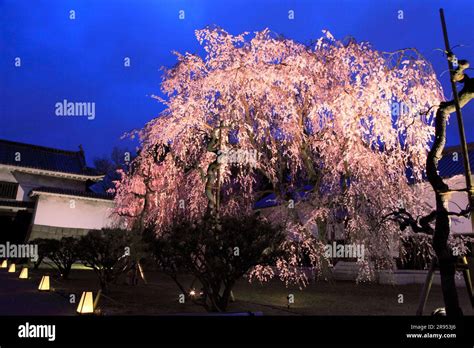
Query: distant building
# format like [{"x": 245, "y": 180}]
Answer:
[
  {"x": 451, "y": 169},
  {"x": 45, "y": 193}
]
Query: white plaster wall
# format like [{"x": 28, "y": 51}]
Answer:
[
  {"x": 73, "y": 212},
  {"x": 457, "y": 201}
]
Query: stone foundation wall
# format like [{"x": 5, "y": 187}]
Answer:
[{"x": 51, "y": 232}]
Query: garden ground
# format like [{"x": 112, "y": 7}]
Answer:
[{"x": 160, "y": 296}]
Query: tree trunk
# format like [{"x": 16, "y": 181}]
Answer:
[
  {"x": 446, "y": 260},
  {"x": 103, "y": 281},
  {"x": 224, "y": 300},
  {"x": 104, "y": 286}
]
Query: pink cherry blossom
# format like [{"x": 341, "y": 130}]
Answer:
[{"x": 321, "y": 115}]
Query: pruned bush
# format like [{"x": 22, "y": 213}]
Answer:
[
  {"x": 108, "y": 253},
  {"x": 63, "y": 253},
  {"x": 43, "y": 249},
  {"x": 217, "y": 256}
]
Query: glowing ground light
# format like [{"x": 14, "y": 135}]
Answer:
[
  {"x": 12, "y": 268},
  {"x": 4, "y": 264},
  {"x": 86, "y": 304},
  {"x": 24, "y": 273},
  {"x": 44, "y": 284}
]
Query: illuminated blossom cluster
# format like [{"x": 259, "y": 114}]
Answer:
[{"x": 320, "y": 118}]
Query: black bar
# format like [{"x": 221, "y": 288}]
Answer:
[{"x": 290, "y": 331}]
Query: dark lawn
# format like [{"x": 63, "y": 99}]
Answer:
[
  {"x": 160, "y": 297},
  {"x": 21, "y": 297}
]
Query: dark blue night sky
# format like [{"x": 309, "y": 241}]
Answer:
[{"x": 82, "y": 59}]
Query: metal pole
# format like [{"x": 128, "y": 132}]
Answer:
[
  {"x": 462, "y": 135},
  {"x": 427, "y": 287}
]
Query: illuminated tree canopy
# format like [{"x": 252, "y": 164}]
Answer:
[{"x": 336, "y": 121}]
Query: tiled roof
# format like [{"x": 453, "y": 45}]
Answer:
[
  {"x": 76, "y": 193},
  {"x": 452, "y": 162},
  {"x": 45, "y": 158},
  {"x": 266, "y": 202}
]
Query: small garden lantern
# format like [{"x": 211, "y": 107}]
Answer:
[
  {"x": 44, "y": 284},
  {"x": 86, "y": 304},
  {"x": 24, "y": 273}
]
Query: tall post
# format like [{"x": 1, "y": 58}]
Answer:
[{"x": 462, "y": 135}]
